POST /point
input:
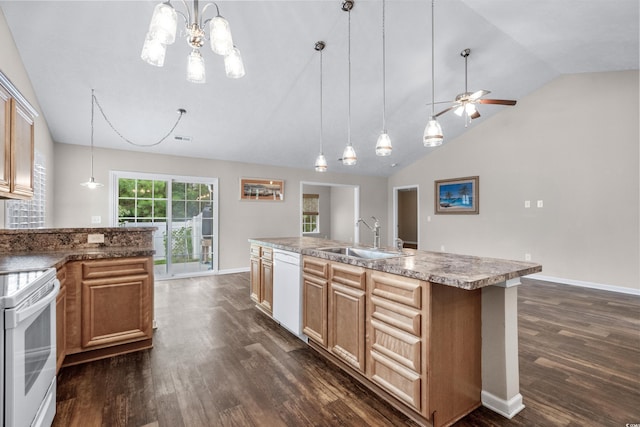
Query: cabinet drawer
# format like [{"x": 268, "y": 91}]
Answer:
[
  {"x": 348, "y": 275},
  {"x": 115, "y": 268},
  {"x": 255, "y": 251},
  {"x": 399, "y": 315},
  {"x": 399, "y": 381},
  {"x": 267, "y": 254},
  {"x": 397, "y": 288},
  {"x": 315, "y": 266},
  {"x": 397, "y": 345}
]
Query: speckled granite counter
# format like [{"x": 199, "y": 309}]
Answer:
[
  {"x": 22, "y": 250},
  {"x": 461, "y": 271}
]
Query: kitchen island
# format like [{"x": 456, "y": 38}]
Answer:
[{"x": 435, "y": 334}]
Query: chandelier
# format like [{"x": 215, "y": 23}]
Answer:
[{"x": 162, "y": 32}]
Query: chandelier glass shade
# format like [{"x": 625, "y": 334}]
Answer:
[
  {"x": 162, "y": 32},
  {"x": 433, "y": 133},
  {"x": 383, "y": 145}
]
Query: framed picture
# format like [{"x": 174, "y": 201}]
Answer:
[
  {"x": 457, "y": 196},
  {"x": 261, "y": 189}
]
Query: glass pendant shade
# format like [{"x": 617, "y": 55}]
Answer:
[
  {"x": 349, "y": 157},
  {"x": 233, "y": 64},
  {"x": 383, "y": 146},
  {"x": 163, "y": 24},
  {"x": 92, "y": 184},
  {"x": 321, "y": 163},
  {"x": 195, "y": 67},
  {"x": 220, "y": 34},
  {"x": 433, "y": 133},
  {"x": 153, "y": 52}
]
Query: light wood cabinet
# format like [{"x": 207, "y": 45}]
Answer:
[
  {"x": 261, "y": 276},
  {"x": 109, "y": 307},
  {"x": 17, "y": 133},
  {"x": 346, "y": 320},
  {"x": 315, "y": 285},
  {"x": 61, "y": 318}
]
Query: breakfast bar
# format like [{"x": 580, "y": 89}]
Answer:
[{"x": 435, "y": 334}]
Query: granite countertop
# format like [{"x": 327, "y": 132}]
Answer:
[
  {"x": 461, "y": 271},
  {"x": 26, "y": 261}
]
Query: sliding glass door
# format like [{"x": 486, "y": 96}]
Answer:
[{"x": 183, "y": 209}]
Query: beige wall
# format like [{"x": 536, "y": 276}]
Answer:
[
  {"x": 343, "y": 215},
  {"x": 239, "y": 220},
  {"x": 12, "y": 67},
  {"x": 574, "y": 145}
]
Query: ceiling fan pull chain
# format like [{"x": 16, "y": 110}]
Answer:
[{"x": 181, "y": 111}]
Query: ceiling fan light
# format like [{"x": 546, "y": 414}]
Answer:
[
  {"x": 233, "y": 64},
  {"x": 321, "y": 163},
  {"x": 153, "y": 51},
  {"x": 458, "y": 111},
  {"x": 220, "y": 33},
  {"x": 163, "y": 24},
  {"x": 383, "y": 146},
  {"x": 433, "y": 133},
  {"x": 195, "y": 67},
  {"x": 349, "y": 157},
  {"x": 470, "y": 108}
]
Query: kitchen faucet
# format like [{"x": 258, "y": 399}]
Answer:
[{"x": 375, "y": 229}]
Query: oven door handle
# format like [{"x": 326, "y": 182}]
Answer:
[{"x": 14, "y": 316}]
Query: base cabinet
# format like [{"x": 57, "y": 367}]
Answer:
[
  {"x": 109, "y": 307},
  {"x": 261, "y": 276},
  {"x": 61, "y": 318}
]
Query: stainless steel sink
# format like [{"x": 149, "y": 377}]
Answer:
[{"x": 362, "y": 253}]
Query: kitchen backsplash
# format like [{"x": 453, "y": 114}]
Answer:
[{"x": 60, "y": 239}]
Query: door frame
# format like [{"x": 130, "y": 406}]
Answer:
[{"x": 395, "y": 210}]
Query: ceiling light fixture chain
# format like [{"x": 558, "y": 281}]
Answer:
[
  {"x": 92, "y": 184},
  {"x": 349, "y": 157},
  {"x": 180, "y": 111},
  {"x": 383, "y": 144}
]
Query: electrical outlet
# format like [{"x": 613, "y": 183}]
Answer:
[
  {"x": 527, "y": 203},
  {"x": 428, "y": 218},
  {"x": 95, "y": 238},
  {"x": 442, "y": 248},
  {"x": 540, "y": 204},
  {"x": 527, "y": 257},
  {"x": 96, "y": 219}
]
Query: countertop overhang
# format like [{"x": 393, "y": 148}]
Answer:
[{"x": 460, "y": 271}]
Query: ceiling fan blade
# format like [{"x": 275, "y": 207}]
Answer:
[
  {"x": 479, "y": 93},
  {"x": 444, "y": 111},
  {"x": 497, "y": 101}
]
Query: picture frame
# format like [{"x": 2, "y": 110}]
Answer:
[
  {"x": 261, "y": 189},
  {"x": 457, "y": 196}
]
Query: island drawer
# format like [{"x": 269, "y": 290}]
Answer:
[
  {"x": 397, "y": 288},
  {"x": 316, "y": 267}
]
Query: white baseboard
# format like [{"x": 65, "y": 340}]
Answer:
[
  {"x": 233, "y": 270},
  {"x": 506, "y": 408},
  {"x": 603, "y": 287}
]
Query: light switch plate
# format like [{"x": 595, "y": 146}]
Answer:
[
  {"x": 96, "y": 219},
  {"x": 540, "y": 204},
  {"x": 527, "y": 203},
  {"x": 95, "y": 238}
]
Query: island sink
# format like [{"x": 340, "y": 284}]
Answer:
[{"x": 362, "y": 253}]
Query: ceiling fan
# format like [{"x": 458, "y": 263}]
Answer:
[{"x": 465, "y": 103}]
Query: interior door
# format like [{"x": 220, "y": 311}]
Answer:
[{"x": 407, "y": 216}]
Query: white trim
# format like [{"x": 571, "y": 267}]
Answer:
[
  {"x": 394, "y": 226},
  {"x": 232, "y": 271},
  {"x": 583, "y": 284},
  {"x": 506, "y": 408}
]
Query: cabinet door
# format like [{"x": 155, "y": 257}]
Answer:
[
  {"x": 347, "y": 324},
  {"x": 255, "y": 279},
  {"x": 21, "y": 151},
  {"x": 61, "y": 327},
  {"x": 266, "y": 280},
  {"x": 5, "y": 140},
  {"x": 116, "y": 310},
  {"x": 314, "y": 308}
]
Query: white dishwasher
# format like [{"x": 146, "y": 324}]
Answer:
[{"x": 287, "y": 291}]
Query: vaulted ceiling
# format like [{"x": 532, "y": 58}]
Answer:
[{"x": 272, "y": 115}]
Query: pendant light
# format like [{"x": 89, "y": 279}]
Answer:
[
  {"x": 349, "y": 157},
  {"x": 92, "y": 184},
  {"x": 383, "y": 145},
  {"x": 433, "y": 136},
  {"x": 321, "y": 161}
]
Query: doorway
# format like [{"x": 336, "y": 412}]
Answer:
[
  {"x": 338, "y": 210},
  {"x": 406, "y": 211}
]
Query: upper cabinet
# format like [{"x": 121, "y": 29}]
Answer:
[{"x": 16, "y": 130}]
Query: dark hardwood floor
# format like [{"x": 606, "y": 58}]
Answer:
[{"x": 217, "y": 361}]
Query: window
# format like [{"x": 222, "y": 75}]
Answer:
[
  {"x": 310, "y": 213},
  {"x": 30, "y": 213}
]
